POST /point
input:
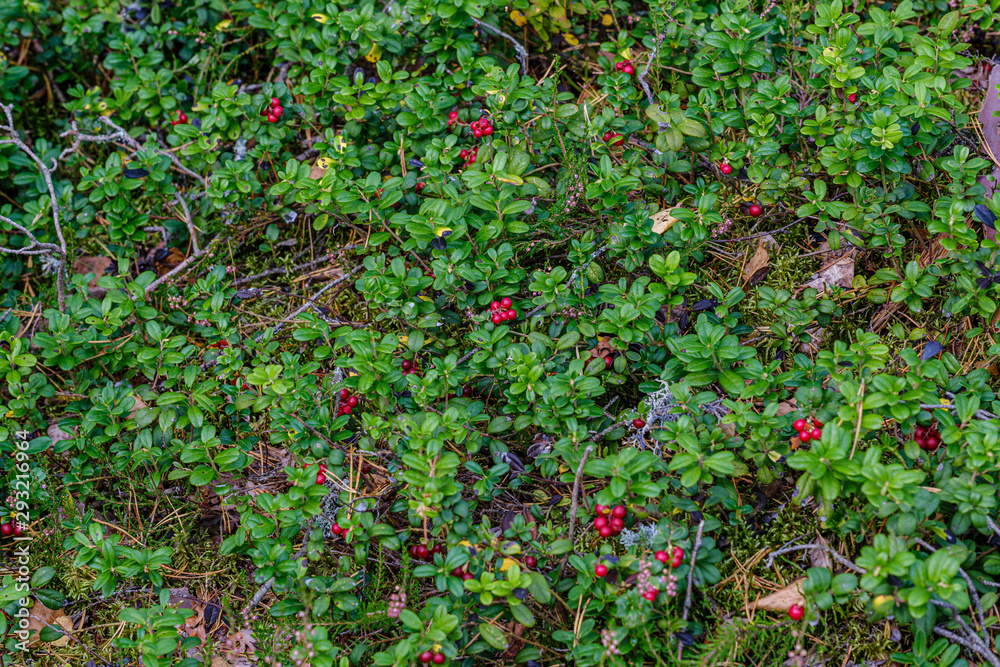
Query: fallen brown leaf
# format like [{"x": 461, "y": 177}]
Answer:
[
  {"x": 785, "y": 407},
  {"x": 41, "y": 616},
  {"x": 96, "y": 265},
  {"x": 838, "y": 272},
  {"x": 820, "y": 557},
  {"x": 758, "y": 266},
  {"x": 780, "y": 600},
  {"x": 663, "y": 220}
]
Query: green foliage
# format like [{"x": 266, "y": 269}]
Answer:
[{"x": 640, "y": 367}]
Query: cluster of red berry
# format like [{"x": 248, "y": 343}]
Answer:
[
  {"x": 410, "y": 367},
  {"x": 275, "y": 112},
  {"x": 347, "y": 402},
  {"x": 502, "y": 311},
  {"x": 321, "y": 475},
  {"x": 469, "y": 155},
  {"x": 807, "y": 431},
  {"x": 452, "y": 117},
  {"x": 726, "y": 168},
  {"x": 429, "y": 656},
  {"x": 625, "y": 66},
  {"x": 463, "y": 572},
  {"x": 338, "y": 530},
  {"x": 482, "y": 127},
  {"x": 927, "y": 437},
  {"x": 423, "y": 552},
  {"x": 608, "y": 360},
  {"x": 613, "y": 138},
  {"x": 7, "y": 529},
  {"x": 181, "y": 118},
  {"x": 675, "y": 558},
  {"x": 607, "y": 527}
]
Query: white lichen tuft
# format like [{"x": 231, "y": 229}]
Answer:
[{"x": 641, "y": 536}]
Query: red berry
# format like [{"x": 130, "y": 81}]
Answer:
[
  {"x": 678, "y": 553},
  {"x": 320, "y": 478},
  {"x": 7, "y": 530},
  {"x": 457, "y": 572},
  {"x": 437, "y": 548},
  {"x": 617, "y": 139},
  {"x": 426, "y": 656},
  {"x": 852, "y": 98},
  {"x": 322, "y": 468},
  {"x": 799, "y": 425},
  {"x": 419, "y": 186},
  {"x": 755, "y": 210},
  {"x": 476, "y": 132},
  {"x": 452, "y": 115},
  {"x": 608, "y": 361},
  {"x": 407, "y": 364},
  {"x": 511, "y": 314},
  {"x": 271, "y": 118},
  {"x": 651, "y": 594},
  {"x": 816, "y": 434},
  {"x": 181, "y": 116},
  {"x": 336, "y": 529},
  {"x": 352, "y": 401},
  {"x": 497, "y": 318},
  {"x": 423, "y": 552},
  {"x": 467, "y": 576},
  {"x": 439, "y": 658},
  {"x": 346, "y": 409},
  {"x": 606, "y": 531},
  {"x": 619, "y": 511},
  {"x": 726, "y": 169},
  {"x": 18, "y": 530},
  {"x": 796, "y": 612},
  {"x": 275, "y": 102},
  {"x": 600, "y": 522},
  {"x": 495, "y": 305},
  {"x": 506, "y": 303},
  {"x": 175, "y": 122},
  {"x": 278, "y": 111},
  {"x": 344, "y": 393},
  {"x": 661, "y": 556},
  {"x": 530, "y": 561},
  {"x": 413, "y": 550},
  {"x": 805, "y": 436},
  {"x": 600, "y": 569},
  {"x": 616, "y": 525},
  {"x": 628, "y": 69},
  {"x": 463, "y": 154},
  {"x": 618, "y": 66},
  {"x": 601, "y": 509},
  {"x": 466, "y": 392},
  {"x": 472, "y": 160},
  {"x": 931, "y": 444},
  {"x": 639, "y": 423}
]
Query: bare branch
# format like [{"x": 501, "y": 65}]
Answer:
[
  {"x": 189, "y": 221},
  {"x": 800, "y": 547},
  {"x": 36, "y": 248}
]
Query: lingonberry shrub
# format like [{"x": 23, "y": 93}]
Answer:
[{"x": 353, "y": 311}]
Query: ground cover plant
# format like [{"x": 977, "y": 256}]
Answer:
[{"x": 477, "y": 333}]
